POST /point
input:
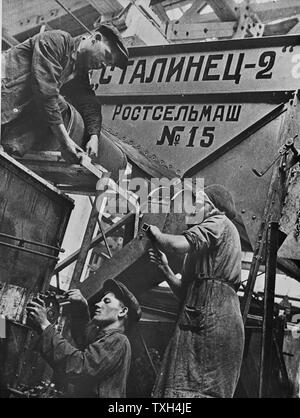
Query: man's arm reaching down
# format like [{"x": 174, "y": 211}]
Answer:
[
  {"x": 83, "y": 98},
  {"x": 97, "y": 360},
  {"x": 50, "y": 54}
]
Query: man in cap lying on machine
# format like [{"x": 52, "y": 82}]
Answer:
[{"x": 100, "y": 365}]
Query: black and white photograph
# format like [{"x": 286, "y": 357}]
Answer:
[{"x": 150, "y": 202}]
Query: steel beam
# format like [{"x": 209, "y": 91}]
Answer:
[
  {"x": 269, "y": 294},
  {"x": 226, "y": 10},
  {"x": 97, "y": 240},
  {"x": 191, "y": 14},
  {"x": 267, "y": 12},
  {"x": 184, "y": 31},
  {"x": 85, "y": 246},
  {"x": 122, "y": 260},
  {"x": 257, "y": 256}
]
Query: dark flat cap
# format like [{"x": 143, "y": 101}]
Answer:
[
  {"x": 222, "y": 199},
  {"x": 121, "y": 292},
  {"x": 111, "y": 33}
]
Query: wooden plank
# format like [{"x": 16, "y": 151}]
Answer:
[
  {"x": 70, "y": 178},
  {"x": 20, "y": 169}
]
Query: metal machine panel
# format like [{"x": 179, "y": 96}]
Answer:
[
  {"x": 198, "y": 131},
  {"x": 33, "y": 219},
  {"x": 30, "y": 209},
  {"x": 251, "y": 65}
]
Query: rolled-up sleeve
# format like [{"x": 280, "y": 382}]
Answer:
[
  {"x": 98, "y": 360},
  {"x": 49, "y": 55},
  {"x": 204, "y": 235}
]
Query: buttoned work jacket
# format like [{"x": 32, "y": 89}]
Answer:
[
  {"x": 37, "y": 71},
  {"x": 97, "y": 367}
]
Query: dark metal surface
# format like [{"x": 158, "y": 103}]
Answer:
[
  {"x": 26, "y": 250},
  {"x": 244, "y": 97},
  {"x": 32, "y": 242},
  {"x": 267, "y": 337},
  {"x": 34, "y": 209}
]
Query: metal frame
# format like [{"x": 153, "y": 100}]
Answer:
[
  {"x": 20, "y": 246},
  {"x": 97, "y": 240},
  {"x": 221, "y": 45},
  {"x": 22, "y": 240},
  {"x": 237, "y": 140},
  {"x": 88, "y": 243},
  {"x": 84, "y": 249},
  {"x": 26, "y": 250}
]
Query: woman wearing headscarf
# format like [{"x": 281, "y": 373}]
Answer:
[{"x": 204, "y": 356}]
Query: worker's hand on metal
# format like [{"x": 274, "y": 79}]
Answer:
[
  {"x": 159, "y": 258},
  {"x": 75, "y": 296},
  {"x": 37, "y": 314},
  {"x": 92, "y": 146},
  {"x": 71, "y": 152}
]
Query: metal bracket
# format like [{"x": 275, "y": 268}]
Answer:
[
  {"x": 248, "y": 23},
  {"x": 288, "y": 146},
  {"x": 296, "y": 153},
  {"x": 23, "y": 241}
]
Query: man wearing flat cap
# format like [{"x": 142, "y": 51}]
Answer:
[
  {"x": 204, "y": 356},
  {"x": 37, "y": 77},
  {"x": 99, "y": 364}
]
